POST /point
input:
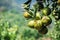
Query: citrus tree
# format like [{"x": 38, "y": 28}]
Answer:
[
  {"x": 41, "y": 14},
  {"x": 41, "y": 21}
]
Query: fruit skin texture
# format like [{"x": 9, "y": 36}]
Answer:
[
  {"x": 46, "y": 11},
  {"x": 31, "y": 23},
  {"x": 27, "y": 15},
  {"x": 46, "y": 20},
  {"x": 38, "y": 16},
  {"x": 44, "y": 30},
  {"x": 38, "y": 24}
]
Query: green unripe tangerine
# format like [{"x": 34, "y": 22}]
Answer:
[
  {"x": 44, "y": 30},
  {"x": 38, "y": 16},
  {"x": 46, "y": 11}
]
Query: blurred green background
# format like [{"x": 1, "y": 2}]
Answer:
[{"x": 13, "y": 26}]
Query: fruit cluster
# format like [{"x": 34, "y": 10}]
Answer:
[{"x": 40, "y": 14}]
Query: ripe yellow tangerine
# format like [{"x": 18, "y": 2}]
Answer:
[
  {"x": 31, "y": 23},
  {"x": 38, "y": 24},
  {"x": 27, "y": 15},
  {"x": 58, "y": 1},
  {"x": 46, "y": 20}
]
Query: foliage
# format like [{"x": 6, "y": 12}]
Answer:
[{"x": 13, "y": 26}]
